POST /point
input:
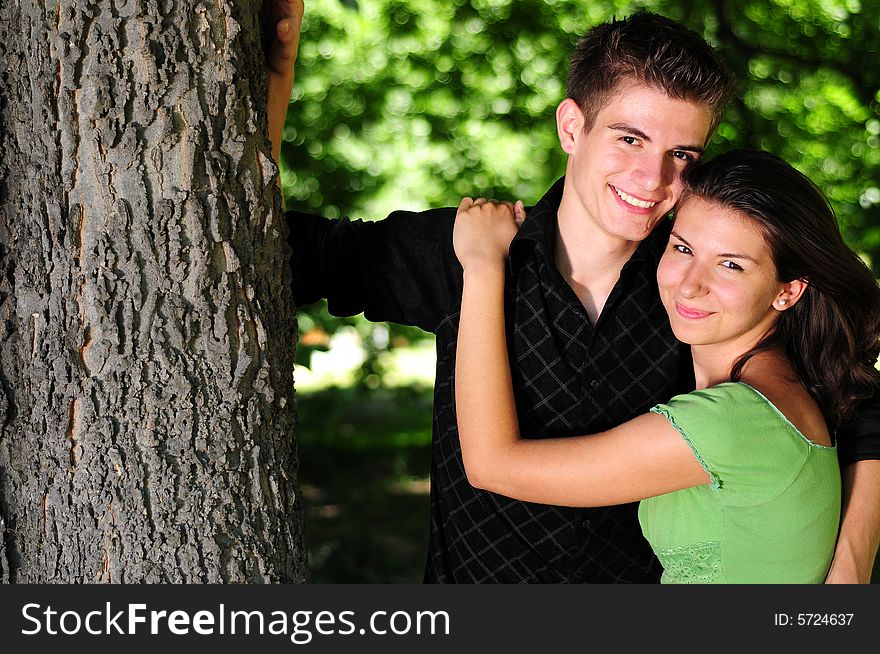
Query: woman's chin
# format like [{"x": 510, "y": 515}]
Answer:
[{"x": 688, "y": 335}]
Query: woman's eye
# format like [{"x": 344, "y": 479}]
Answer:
[
  {"x": 730, "y": 265},
  {"x": 683, "y": 249}
]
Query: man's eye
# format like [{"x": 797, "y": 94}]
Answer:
[
  {"x": 683, "y": 249},
  {"x": 730, "y": 265},
  {"x": 684, "y": 156},
  {"x": 631, "y": 140}
]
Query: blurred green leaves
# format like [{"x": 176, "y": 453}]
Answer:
[
  {"x": 414, "y": 103},
  {"x": 406, "y": 104}
]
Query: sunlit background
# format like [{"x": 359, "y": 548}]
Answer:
[{"x": 409, "y": 104}]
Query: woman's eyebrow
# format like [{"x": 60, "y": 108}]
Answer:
[{"x": 728, "y": 255}]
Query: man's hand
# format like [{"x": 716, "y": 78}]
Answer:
[{"x": 284, "y": 19}]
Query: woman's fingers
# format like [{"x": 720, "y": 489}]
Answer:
[{"x": 511, "y": 208}]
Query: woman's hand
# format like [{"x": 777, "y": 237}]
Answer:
[{"x": 484, "y": 229}]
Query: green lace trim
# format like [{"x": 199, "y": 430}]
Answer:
[{"x": 699, "y": 563}]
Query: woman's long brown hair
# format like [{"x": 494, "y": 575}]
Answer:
[{"x": 832, "y": 334}]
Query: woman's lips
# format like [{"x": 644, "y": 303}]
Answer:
[{"x": 690, "y": 314}]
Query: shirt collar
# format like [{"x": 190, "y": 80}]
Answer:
[
  {"x": 538, "y": 232},
  {"x": 539, "y": 229}
]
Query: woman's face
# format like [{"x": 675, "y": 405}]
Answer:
[{"x": 717, "y": 278}]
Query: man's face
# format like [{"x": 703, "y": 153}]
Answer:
[{"x": 624, "y": 173}]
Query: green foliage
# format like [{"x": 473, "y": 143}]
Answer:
[{"x": 406, "y": 104}]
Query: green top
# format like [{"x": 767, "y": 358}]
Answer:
[{"x": 771, "y": 511}]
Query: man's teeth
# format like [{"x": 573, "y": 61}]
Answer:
[{"x": 633, "y": 201}]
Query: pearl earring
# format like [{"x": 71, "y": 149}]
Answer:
[{"x": 782, "y": 302}]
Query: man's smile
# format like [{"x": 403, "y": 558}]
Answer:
[{"x": 632, "y": 200}]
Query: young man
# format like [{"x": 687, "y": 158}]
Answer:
[{"x": 590, "y": 344}]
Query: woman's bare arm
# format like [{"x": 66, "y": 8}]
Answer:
[{"x": 642, "y": 458}]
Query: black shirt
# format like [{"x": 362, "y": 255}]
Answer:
[{"x": 570, "y": 378}]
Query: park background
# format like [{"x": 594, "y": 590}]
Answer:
[{"x": 409, "y": 104}]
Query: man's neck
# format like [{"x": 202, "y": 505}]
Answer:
[{"x": 588, "y": 259}]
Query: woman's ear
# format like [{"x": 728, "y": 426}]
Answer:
[{"x": 789, "y": 295}]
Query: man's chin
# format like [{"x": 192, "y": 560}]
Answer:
[{"x": 638, "y": 233}]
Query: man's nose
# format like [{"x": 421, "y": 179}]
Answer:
[{"x": 654, "y": 171}]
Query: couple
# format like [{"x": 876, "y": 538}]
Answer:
[
  {"x": 591, "y": 347},
  {"x": 739, "y": 479}
]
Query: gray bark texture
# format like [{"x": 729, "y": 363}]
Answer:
[{"x": 146, "y": 332}]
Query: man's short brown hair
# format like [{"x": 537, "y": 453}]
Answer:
[{"x": 648, "y": 49}]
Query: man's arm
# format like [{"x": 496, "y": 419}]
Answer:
[
  {"x": 401, "y": 269},
  {"x": 859, "y": 450},
  {"x": 860, "y": 525}
]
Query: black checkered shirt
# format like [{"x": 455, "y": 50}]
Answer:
[{"x": 570, "y": 377}]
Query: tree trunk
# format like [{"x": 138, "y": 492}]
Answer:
[{"x": 146, "y": 332}]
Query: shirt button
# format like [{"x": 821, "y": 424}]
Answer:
[{"x": 595, "y": 383}]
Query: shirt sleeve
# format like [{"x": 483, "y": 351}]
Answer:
[
  {"x": 736, "y": 436},
  {"x": 859, "y": 438},
  {"x": 402, "y": 269}
]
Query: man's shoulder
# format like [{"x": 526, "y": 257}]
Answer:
[
  {"x": 439, "y": 213},
  {"x": 431, "y": 226},
  {"x": 431, "y": 223},
  {"x": 404, "y": 226},
  {"x": 447, "y": 213}
]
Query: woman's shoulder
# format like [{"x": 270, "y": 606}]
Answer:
[
  {"x": 728, "y": 399},
  {"x": 794, "y": 405},
  {"x": 742, "y": 417},
  {"x": 751, "y": 448},
  {"x": 772, "y": 376}
]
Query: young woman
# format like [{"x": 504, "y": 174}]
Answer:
[{"x": 739, "y": 479}]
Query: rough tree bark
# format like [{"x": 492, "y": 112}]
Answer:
[{"x": 146, "y": 334}]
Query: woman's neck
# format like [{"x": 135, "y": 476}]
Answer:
[
  {"x": 713, "y": 363},
  {"x": 710, "y": 366}
]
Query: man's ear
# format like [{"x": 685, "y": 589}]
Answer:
[
  {"x": 569, "y": 124},
  {"x": 789, "y": 295}
]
